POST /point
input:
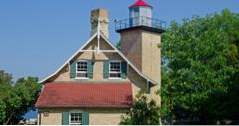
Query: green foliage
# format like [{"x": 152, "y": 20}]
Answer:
[
  {"x": 16, "y": 98},
  {"x": 143, "y": 112},
  {"x": 118, "y": 45},
  {"x": 201, "y": 69},
  {"x": 2, "y": 111}
]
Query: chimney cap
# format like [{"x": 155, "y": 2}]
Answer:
[{"x": 99, "y": 13}]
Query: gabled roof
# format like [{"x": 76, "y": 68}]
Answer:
[
  {"x": 78, "y": 94},
  {"x": 108, "y": 42},
  {"x": 140, "y": 3}
]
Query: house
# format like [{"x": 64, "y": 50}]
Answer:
[{"x": 98, "y": 83}]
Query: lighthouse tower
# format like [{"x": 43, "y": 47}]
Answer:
[{"x": 140, "y": 39}]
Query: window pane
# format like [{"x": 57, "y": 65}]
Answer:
[
  {"x": 76, "y": 118},
  {"x": 114, "y": 66},
  {"x": 82, "y": 75},
  {"x": 82, "y": 69},
  {"x": 82, "y": 66},
  {"x": 115, "y": 71}
]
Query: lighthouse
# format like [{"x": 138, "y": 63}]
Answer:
[{"x": 140, "y": 37}]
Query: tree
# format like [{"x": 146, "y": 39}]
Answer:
[
  {"x": 143, "y": 112},
  {"x": 16, "y": 98},
  {"x": 201, "y": 69},
  {"x": 118, "y": 45}
]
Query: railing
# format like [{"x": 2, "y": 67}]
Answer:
[{"x": 140, "y": 21}]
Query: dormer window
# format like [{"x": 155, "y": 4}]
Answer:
[
  {"x": 115, "y": 70},
  {"x": 81, "y": 70}
]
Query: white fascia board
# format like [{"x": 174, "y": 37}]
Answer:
[
  {"x": 80, "y": 50},
  {"x": 77, "y": 52}
]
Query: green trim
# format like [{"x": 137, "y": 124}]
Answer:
[
  {"x": 123, "y": 70},
  {"x": 85, "y": 118},
  {"x": 65, "y": 118},
  {"x": 106, "y": 69},
  {"x": 90, "y": 67},
  {"x": 73, "y": 70}
]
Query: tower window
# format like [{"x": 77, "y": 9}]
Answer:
[
  {"x": 136, "y": 12},
  {"x": 115, "y": 69}
]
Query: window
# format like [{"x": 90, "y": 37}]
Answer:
[
  {"x": 136, "y": 12},
  {"x": 81, "y": 71},
  {"x": 76, "y": 119},
  {"x": 115, "y": 70}
]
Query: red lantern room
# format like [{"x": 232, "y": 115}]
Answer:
[{"x": 140, "y": 15}]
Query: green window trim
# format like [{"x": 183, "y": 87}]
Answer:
[
  {"x": 85, "y": 120},
  {"x": 73, "y": 70},
  {"x": 90, "y": 69},
  {"x": 106, "y": 69},
  {"x": 124, "y": 70},
  {"x": 65, "y": 118}
]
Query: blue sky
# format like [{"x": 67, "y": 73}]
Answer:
[{"x": 37, "y": 36}]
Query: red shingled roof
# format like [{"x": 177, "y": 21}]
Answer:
[
  {"x": 139, "y": 3},
  {"x": 117, "y": 95}
]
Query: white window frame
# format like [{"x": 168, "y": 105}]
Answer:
[
  {"x": 84, "y": 78},
  {"x": 76, "y": 123},
  {"x": 115, "y": 61}
]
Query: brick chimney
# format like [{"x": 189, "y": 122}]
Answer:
[{"x": 102, "y": 16}]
